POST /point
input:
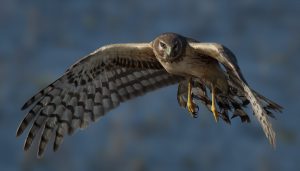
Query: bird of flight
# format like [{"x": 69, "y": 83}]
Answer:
[{"x": 115, "y": 73}]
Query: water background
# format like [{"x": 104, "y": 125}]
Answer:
[{"x": 40, "y": 39}]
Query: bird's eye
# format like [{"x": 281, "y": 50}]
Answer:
[
  {"x": 175, "y": 46},
  {"x": 163, "y": 45}
]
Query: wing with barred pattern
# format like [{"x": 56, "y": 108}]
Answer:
[{"x": 90, "y": 88}]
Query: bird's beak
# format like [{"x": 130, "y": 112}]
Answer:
[{"x": 168, "y": 51}]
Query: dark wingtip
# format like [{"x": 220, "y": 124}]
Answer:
[
  {"x": 55, "y": 147},
  {"x": 27, "y": 145},
  {"x": 26, "y": 105},
  {"x": 40, "y": 153},
  {"x": 21, "y": 128},
  {"x": 19, "y": 132}
]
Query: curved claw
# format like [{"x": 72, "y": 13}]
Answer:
[
  {"x": 195, "y": 114},
  {"x": 193, "y": 109},
  {"x": 197, "y": 108}
]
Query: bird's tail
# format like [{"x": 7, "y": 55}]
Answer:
[{"x": 262, "y": 107}]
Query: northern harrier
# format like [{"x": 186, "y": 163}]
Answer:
[{"x": 115, "y": 73}]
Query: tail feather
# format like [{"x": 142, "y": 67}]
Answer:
[
  {"x": 262, "y": 107},
  {"x": 269, "y": 103},
  {"x": 260, "y": 113}
]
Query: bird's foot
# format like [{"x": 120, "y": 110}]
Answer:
[
  {"x": 215, "y": 112},
  {"x": 192, "y": 108},
  {"x": 213, "y": 105},
  {"x": 190, "y": 104}
]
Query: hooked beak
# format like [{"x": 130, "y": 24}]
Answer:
[{"x": 168, "y": 51}]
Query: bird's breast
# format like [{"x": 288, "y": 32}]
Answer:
[
  {"x": 186, "y": 66},
  {"x": 208, "y": 70},
  {"x": 176, "y": 67}
]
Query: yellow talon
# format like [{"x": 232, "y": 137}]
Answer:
[
  {"x": 213, "y": 105},
  {"x": 190, "y": 104}
]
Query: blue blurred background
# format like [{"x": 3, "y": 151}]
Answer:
[{"x": 40, "y": 39}]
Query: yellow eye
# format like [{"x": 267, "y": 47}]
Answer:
[{"x": 175, "y": 46}]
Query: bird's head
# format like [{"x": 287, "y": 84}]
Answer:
[{"x": 168, "y": 47}]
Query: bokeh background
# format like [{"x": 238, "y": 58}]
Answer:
[{"x": 40, "y": 39}]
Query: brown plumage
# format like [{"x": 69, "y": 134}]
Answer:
[{"x": 115, "y": 73}]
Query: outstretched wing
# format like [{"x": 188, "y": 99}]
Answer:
[
  {"x": 261, "y": 106},
  {"x": 90, "y": 88}
]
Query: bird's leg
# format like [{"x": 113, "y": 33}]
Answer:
[
  {"x": 213, "y": 104},
  {"x": 190, "y": 104}
]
